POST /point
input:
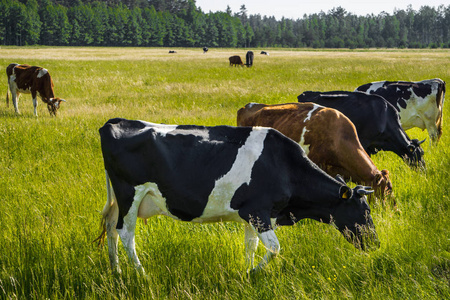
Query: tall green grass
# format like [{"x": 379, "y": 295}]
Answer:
[{"x": 52, "y": 182}]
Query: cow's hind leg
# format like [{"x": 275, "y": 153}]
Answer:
[
  {"x": 432, "y": 130},
  {"x": 112, "y": 236},
  {"x": 110, "y": 214},
  {"x": 7, "y": 96},
  {"x": 35, "y": 104},
  {"x": 15, "y": 99},
  {"x": 127, "y": 233}
]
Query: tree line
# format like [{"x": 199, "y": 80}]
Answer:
[{"x": 180, "y": 23}]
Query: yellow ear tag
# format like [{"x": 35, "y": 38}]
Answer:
[{"x": 345, "y": 195}]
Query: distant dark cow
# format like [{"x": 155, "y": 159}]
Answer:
[
  {"x": 249, "y": 58},
  {"x": 377, "y": 122},
  {"x": 205, "y": 49},
  {"x": 35, "y": 80},
  {"x": 264, "y": 52},
  {"x": 172, "y": 51},
  {"x": 328, "y": 138},
  {"x": 419, "y": 103},
  {"x": 236, "y": 60},
  {"x": 256, "y": 176}
]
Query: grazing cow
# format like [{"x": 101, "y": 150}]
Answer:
[
  {"x": 249, "y": 59},
  {"x": 376, "y": 121},
  {"x": 264, "y": 53},
  {"x": 35, "y": 80},
  {"x": 256, "y": 176},
  {"x": 420, "y": 103},
  {"x": 328, "y": 138},
  {"x": 236, "y": 60},
  {"x": 205, "y": 49}
]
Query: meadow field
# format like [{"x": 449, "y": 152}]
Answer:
[{"x": 52, "y": 185}]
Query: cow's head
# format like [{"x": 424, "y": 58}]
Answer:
[
  {"x": 53, "y": 105},
  {"x": 246, "y": 115},
  {"x": 44, "y": 87},
  {"x": 414, "y": 154},
  {"x": 382, "y": 184},
  {"x": 352, "y": 217}
]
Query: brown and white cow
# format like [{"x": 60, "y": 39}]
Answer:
[
  {"x": 419, "y": 103},
  {"x": 32, "y": 80},
  {"x": 236, "y": 60},
  {"x": 327, "y": 136}
]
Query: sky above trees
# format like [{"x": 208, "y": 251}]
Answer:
[{"x": 294, "y": 9}]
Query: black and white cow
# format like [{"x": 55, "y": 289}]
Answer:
[
  {"x": 419, "y": 103},
  {"x": 253, "y": 175},
  {"x": 377, "y": 122}
]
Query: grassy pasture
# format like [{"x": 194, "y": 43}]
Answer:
[{"x": 52, "y": 181}]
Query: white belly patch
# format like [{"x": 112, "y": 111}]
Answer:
[{"x": 153, "y": 203}]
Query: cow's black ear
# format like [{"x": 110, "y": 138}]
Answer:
[{"x": 345, "y": 192}]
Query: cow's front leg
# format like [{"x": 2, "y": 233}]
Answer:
[
  {"x": 263, "y": 225},
  {"x": 251, "y": 244},
  {"x": 270, "y": 241}
]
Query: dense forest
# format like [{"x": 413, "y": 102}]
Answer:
[{"x": 180, "y": 23}]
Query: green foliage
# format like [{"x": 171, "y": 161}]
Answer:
[
  {"x": 52, "y": 184},
  {"x": 179, "y": 23}
]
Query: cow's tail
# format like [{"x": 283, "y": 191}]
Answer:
[
  {"x": 440, "y": 104},
  {"x": 7, "y": 94},
  {"x": 105, "y": 212}
]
